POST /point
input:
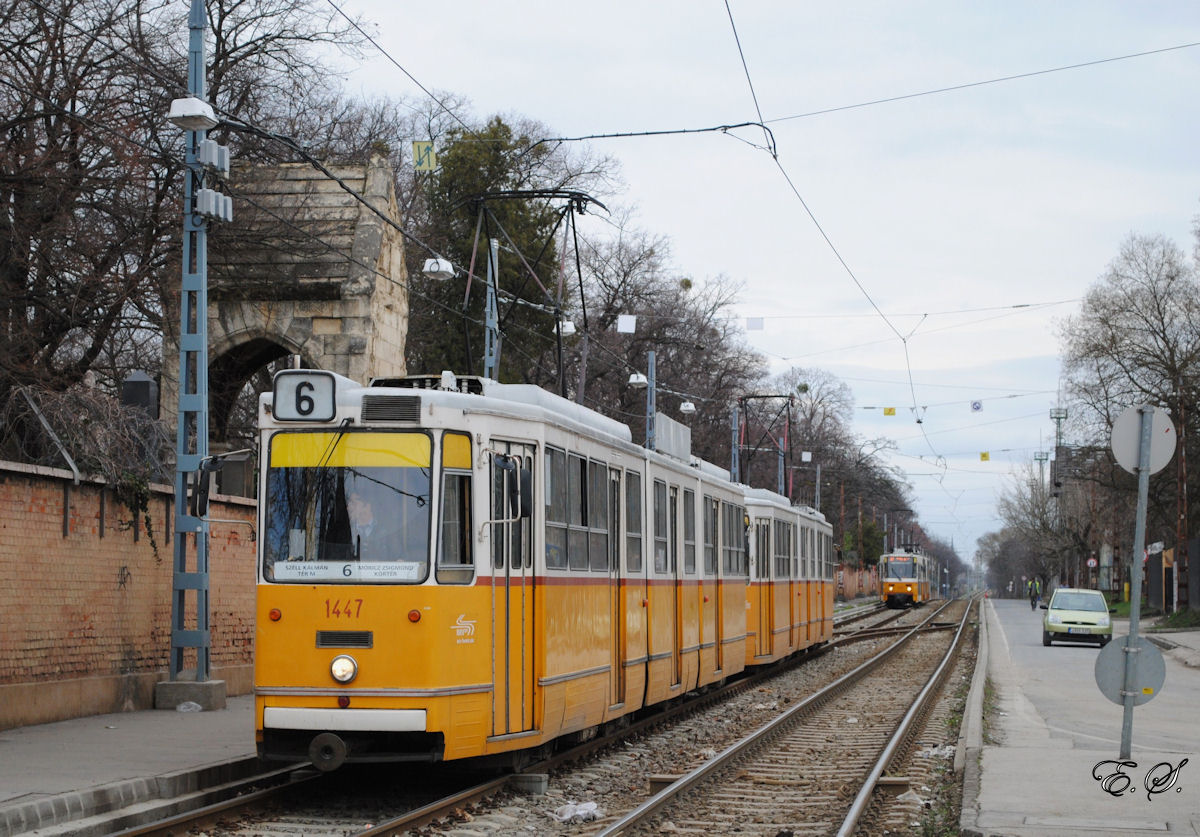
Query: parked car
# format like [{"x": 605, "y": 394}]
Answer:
[{"x": 1077, "y": 615}]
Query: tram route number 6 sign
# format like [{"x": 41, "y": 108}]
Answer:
[{"x": 304, "y": 395}]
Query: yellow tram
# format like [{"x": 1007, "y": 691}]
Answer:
[
  {"x": 454, "y": 568},
  {"x": 906, "y": 577}
]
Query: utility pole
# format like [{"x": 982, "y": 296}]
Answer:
[
  {"x": 1182, "y": 594},
  {"x": 192, "y": 461},
  {"x": 651, "y": 401},
  {"x": 491, "y": 350}
]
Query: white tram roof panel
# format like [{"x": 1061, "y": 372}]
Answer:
[
  {"x": 767, "y": 497},
  {"x": 448, "y": 390}
]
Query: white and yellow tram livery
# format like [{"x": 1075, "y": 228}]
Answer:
[
  {"x": 453, "y": 568},
  {"x": 906, "y": 578}
]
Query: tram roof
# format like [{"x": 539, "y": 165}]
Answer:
[{"x": 765, "y": 496}]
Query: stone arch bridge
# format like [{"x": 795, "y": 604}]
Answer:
[{"x": 305, "y": 269}]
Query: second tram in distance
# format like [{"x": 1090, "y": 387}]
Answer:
[
  {"x": 907, "y": 577},
  {"x": 454, "y": 568}
]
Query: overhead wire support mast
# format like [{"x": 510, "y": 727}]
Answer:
[
  {"x": 192, "y": 461},
  {"x": 494, "y": 323}
]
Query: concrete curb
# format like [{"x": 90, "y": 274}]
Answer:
[
  {"x": 104, "y": 799},
  {"x": 970, "y": 736},
  {"x": 1185, "y": 655}
]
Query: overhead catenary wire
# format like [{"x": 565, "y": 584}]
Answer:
[
  {"x": 756, "y": 103},
  {"x": 1000, "y": 80}
]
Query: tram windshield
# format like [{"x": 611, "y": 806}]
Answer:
[
  {"x": 899, "y": 566},
  {"x": 348, "y": 507}
]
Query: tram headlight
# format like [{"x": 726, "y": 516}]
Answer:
[{"x": 343, "y": 668}]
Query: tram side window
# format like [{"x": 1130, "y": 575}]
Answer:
[
  {"x": 689, "y": 531},
  {"x": 711, "y": 510},
  {"x": 556, "y": 509},
  {"x": 633, "y": 522},
  {"x": 455, "y": 560},
  {"x": 733, "y": 539},
  {"x": 782, "y": 548},
  {"x": 821, "y": 560},
  {"x": 660, "y": 526},
  {"x": 793, "y": 552},
  {"x": 598, "y": 516},
  {"x": 803, "y": 549},
  {"x": 577, "y": 512}
]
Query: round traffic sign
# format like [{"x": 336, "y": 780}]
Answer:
[
  {"x": 1092, "y": 563},
  {"x": 1127, "y": 439},
  {"x": 1148, "y": 678}
]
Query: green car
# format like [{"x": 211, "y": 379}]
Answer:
[{"x": 1077, "y": 616}]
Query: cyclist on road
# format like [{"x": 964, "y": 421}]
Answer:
[{"x": 1034, "y": 587}]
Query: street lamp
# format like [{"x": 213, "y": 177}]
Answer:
[
  {"x": 439, "y": 269},
  {"x": 192, "y": 114}
]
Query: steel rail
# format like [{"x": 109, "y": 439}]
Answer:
[
  {"x": 863, "y": 800},
  {"x": 428, "y": 813},
  {"x": 435, "y": 810},
  {"x": 727, "y": 756},
  {"x": 240, "y": 796}
]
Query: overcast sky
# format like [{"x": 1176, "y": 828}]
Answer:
[{"x": 973, "y": 219}]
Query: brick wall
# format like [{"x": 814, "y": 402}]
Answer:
[
  {"x": 853, "y": 583},
  {"x": 85, "y": 599}
]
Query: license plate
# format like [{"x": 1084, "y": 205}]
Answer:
[{"x": 1079, "y": 630}]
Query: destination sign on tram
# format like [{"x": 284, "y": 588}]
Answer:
[{"x": 304, "y": 395}]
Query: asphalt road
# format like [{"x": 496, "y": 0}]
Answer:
[{"x": 1060, "y": 684}]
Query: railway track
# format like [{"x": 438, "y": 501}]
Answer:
[
  {"x": 406, "y": 801},
  {"x": 800, "y": 784}
]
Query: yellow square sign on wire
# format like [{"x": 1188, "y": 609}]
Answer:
[{"x": 424, "y": 158}]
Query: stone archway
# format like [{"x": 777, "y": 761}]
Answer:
[{"x": 305, "y": 269}]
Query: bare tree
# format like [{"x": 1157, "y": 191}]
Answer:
[
  {"x": 700, "y": 355},
  {"x": 90, "y": 173},
  {"x": 1136, "y": 340}
]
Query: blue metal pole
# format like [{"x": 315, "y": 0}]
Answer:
[
  {"x": 491, "y": 351},
  {"x": 651, "y": 397},
  {"x": 192, "y": 431},
  {"x": 734, "y": 464}
]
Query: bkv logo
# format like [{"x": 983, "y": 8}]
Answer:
[{"x": 464, "y": 629}]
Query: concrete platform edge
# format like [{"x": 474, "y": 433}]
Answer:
[
  {"x": 77, "y": 805},
  {"x": 970, "y": 738}
]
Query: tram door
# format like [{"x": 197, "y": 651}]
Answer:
[
  {"x": 762, "y": 562},
  {"x": 512, "y": 590},
  {"x": 616, "y": 596},
  {"x": 712, "y": 512},
  {"x": 793, "y": 585},
  {"x": 674, "y": 569}
]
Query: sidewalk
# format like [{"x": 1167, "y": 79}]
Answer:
[
  {"x": 55, "y": 776},
  {"x": 1053, "y": 738}
]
